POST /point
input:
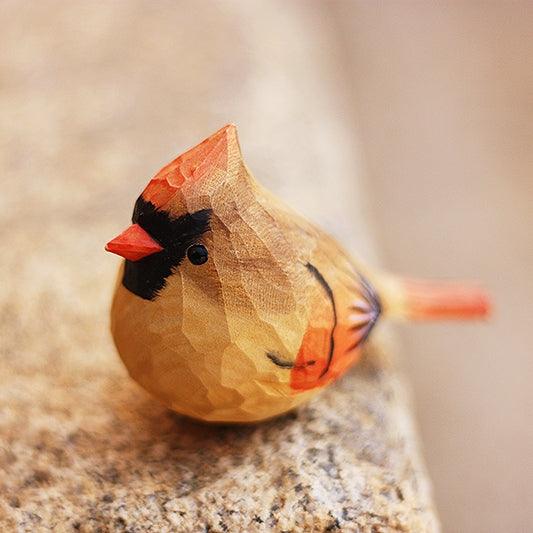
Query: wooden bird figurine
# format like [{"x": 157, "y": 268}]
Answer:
[{"x": 230, "y": 307}]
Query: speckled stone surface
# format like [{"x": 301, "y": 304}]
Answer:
[
  {"x": 92, "y": 452},
  {"x": 96, "y": 96}
]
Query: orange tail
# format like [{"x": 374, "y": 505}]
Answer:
[{"x": 432, "y": 300}]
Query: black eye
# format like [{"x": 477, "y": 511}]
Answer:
[{"x": 197, "y": 254}]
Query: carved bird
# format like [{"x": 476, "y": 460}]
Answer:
[{"x": 231, "y": 307}]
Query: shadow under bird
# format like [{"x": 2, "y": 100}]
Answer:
[{"x": 231, "y": 307}]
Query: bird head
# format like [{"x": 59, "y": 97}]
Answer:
[{"x": 176, "y": 207}]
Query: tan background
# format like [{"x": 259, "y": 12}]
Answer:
[
  {"x": 444, "y": 104},
  {"x": 419, "y": 114}
]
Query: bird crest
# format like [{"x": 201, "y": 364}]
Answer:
[{"x": 215, "y": 159}]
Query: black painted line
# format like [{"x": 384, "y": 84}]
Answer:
[
  {"x": 277, "y": 360},
  {"x": 325, "y": 285}
]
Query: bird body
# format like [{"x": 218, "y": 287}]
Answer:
[{"x": 230, "y": 307}]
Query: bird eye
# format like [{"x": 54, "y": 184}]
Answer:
[{"x": 197, "y": 254}]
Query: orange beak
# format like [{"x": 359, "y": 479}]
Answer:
[{"x": 134, "y": 243}]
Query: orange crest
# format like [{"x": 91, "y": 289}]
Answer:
[{"x": 219, "y": 152}]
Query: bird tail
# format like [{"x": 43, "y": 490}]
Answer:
[{"x": 432, "y": 300}]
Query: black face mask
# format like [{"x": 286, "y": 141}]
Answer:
[{"x": 147, "y": 277}]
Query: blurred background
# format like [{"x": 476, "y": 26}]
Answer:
[{"x": 415, "y": 117}]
